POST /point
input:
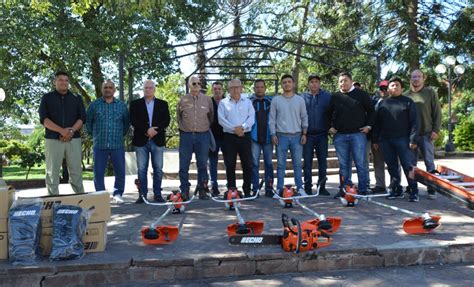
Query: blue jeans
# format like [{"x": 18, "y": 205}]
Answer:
[
  {"x": 189, "y": 143},
  {"x": 394, "y": 149},
  {"x": 267, "y": 150},
  {"x": 292, "y": 143},
  {"x": 426, "y": 146},
  {"x": 101, "y": 158},
  {"x": 318, "y": 143},
  {"x": 352, "y": 147},
  {"x": 213, "y": 160},
  {"x": 143, "y": 155}
]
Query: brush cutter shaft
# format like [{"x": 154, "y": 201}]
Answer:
[
  {"x": 168, "y": 210},
  {"x": 395, "y": 208},
  {"x": 310, "y": 211},
  {"x": 166, "y": 203},
  {"x": 239, "y": 217}
]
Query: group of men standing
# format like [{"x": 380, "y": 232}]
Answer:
[{"x": 393, "y": 125}]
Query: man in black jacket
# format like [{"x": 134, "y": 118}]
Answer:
[
  {"x": 149, "y": 117},
  {"x": 62, "y": 114},
  {"x": 351, "y": 114},
  {"x": 396, "y": 132}
]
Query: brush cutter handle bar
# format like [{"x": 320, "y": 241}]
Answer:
[
  {"x": 368, "y": 197},
  {"x": 396, "y": 208},
  {"x": 232, "y": 200},
  {"x": 168, "y": 203},
  {"x": 307, "y": 209},
  {"x": 154, "y": 224},
  {"x": 294, "y": 197}
]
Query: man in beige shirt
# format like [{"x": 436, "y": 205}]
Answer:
[{"x": 194, "y": 115}]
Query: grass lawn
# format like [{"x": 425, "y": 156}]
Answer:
[{"x": 15, "y": 172}]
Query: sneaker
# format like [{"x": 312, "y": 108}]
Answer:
[
  {"x": 396, "y": 193},
  {"x": 185, "y": 195},
  {"x": 117, "y": 199},
  {"x": 379, "y": 190},
  {"x": 159, "y": 198},
  {"x": 301, "y": 192},
  {"x": 431, "y": 194},
  {"x": 413, "y": 197}
]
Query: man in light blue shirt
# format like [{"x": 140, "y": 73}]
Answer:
[{"x": 236, "y": 115}]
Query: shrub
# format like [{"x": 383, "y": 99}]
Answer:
[{"x": 464, "y": 134}]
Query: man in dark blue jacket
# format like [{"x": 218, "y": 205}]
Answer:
[
  {"x": 261, "y": 138},
  {"x": 317, "y": 103}
]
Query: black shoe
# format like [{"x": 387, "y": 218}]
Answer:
[
  {"x": 203, "y": 193},
  {"x": 431, "y": 194},
  {"x": 159, "y": 198},
  {"x": 215, "y": 191},
  {"x": 139, "y": 200},
  {"x": 323, "y": 191},
  {"x": 247, "y": 194},
  {"x": 379, "y": 190},
  {"x": 268, "y": 193},
  {"x": 413, "y": 197},
  {"x": 339, "y": 194},
  {"x": 396, "y": 192},
  {"x": 257, "y": 192}
]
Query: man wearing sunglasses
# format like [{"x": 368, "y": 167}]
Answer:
[{"x": 195, "y": 114}]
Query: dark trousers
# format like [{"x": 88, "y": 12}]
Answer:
[{"x": 242, "y": 146}]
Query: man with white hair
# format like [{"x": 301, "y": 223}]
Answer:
[
  {"x": 195, "y": 114},
  {"x": 237, "y": 116},
  {"x": 149, "y": 117}
]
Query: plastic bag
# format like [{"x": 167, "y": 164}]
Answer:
[
  {"x": 24, "y": 231},
  {"x": 69, "y": 227}
]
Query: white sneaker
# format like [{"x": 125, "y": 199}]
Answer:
[
  {"x": 117, "y": 199},
  {"x": 301, "y": 192}
]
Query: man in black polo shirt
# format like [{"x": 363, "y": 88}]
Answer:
[{"x": 62, "y": 114}]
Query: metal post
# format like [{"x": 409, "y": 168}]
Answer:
[
  {"x": 449, "y": 145},
  {"x": 121, "y": 76}
]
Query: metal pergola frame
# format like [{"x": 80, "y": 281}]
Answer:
[{"x": 266, "y": 43}]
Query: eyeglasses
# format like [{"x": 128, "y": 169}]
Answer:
[{"x": 196, "y": 84}]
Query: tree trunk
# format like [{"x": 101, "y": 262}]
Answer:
[
  {"x": 413, "y": 40},
  {"x": 97, "y": 75},
  {"x": 296, "y": 63},
  {"x": 201, "y": 59}
]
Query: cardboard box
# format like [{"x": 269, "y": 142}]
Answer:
[
  {"x": 3, "y": 246},
  {"x": 99, "y": 200},
  {"x": 95, "y": 239},
  {"x": 3, "y": 225},
  {"x": 7, "y": 195}
]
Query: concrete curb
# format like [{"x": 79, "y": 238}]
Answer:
[{"x": 162, "y": 271}]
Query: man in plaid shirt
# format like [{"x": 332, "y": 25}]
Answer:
[{"x": 108, "y": 123}]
